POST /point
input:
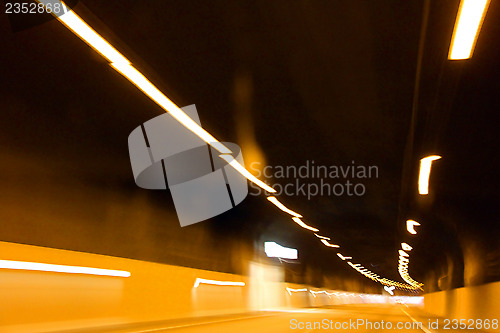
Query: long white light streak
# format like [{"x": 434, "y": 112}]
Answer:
[
  {"x": 123, "y": 66},
  {"x": 217, "y": 283},
  {"x": 37, "y": 266},
  {"x": 236, "y": 165}
]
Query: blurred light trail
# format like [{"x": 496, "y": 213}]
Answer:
[
  {"x": 467, "y": 26},
  {"x": 425, "y": 173},
  {"x": 314, "y": 293},
  {"x": 88, "y": 35},
  {"x": 324, "y": 241},
  {"x": 403, "y": 270},
  {"x": 123, "y": 66},
  {"x": 406, "y": 247},
  {"x": 36, "y": 266},
  {"x": 241, "y": 169},
  {"x": 278, "y": 204},
  {"x": 303, "y": 225},
  {"x": 410, "y": 226},
  {"x": 275, "y": 250},
  {"x": 322, "y": 237},
  {"x": 217, "y": 283},
  {"x": 342, "y": 257},
  {"x": 290, "y": 290}
]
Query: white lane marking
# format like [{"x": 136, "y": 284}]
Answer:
[{"x": 422, "y": 327}]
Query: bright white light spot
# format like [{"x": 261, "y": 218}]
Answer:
[
  {"x": 406, "y": 247},
  {"x": 389, "y": 289},
  {"x": 275, "y": 250},
  {"x": 425, "y": 173},
  {"x": 410, "y": 226}
]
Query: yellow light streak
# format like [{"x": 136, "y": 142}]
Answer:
[
  {"x": 425, "y": 172},
  {"x": 36, "y": 266},
  {"x": 322, "y": 237},
  {"x": 141, "y": 82},
  {"x": 303, "y": 225},
  {"x": 278, "y": 204},
  {"x": 123, "y": 66},
  {"x": 324, "y": 241},
  {"x": 232, "y": 162},
  {"x": 342, "y": 257},
  {"x": 467, "y": 26}
]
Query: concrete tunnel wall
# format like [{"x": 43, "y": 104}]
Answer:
[
  {"x": 474, "y": 302},
  {"x": 34, "y": 301}
]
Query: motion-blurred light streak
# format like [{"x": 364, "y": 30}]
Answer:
[
  {"x": 425, "y": 172},
  {"x": 122, "y": 65},
  {"x": 303, "y": 225},
  {"x": 291, "y": 290},
  {"x": 217, "y": 283},
  {"x": 314, "y": 293},
  {"x": 278, "y": 204},
  {"x": 324, "y": 241},
  {"x": 42, "y": 267},
  {"x": 342, "y": 257},
  {"x": 322, "y": 237},
  {"x": 241, "y": 169},
  {"x": 467, "y": 26}
]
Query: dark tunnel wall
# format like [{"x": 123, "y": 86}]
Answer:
[{"x": 456, "y": 118}]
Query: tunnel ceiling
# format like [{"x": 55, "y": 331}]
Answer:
[{"x": 330, "y": 82}]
